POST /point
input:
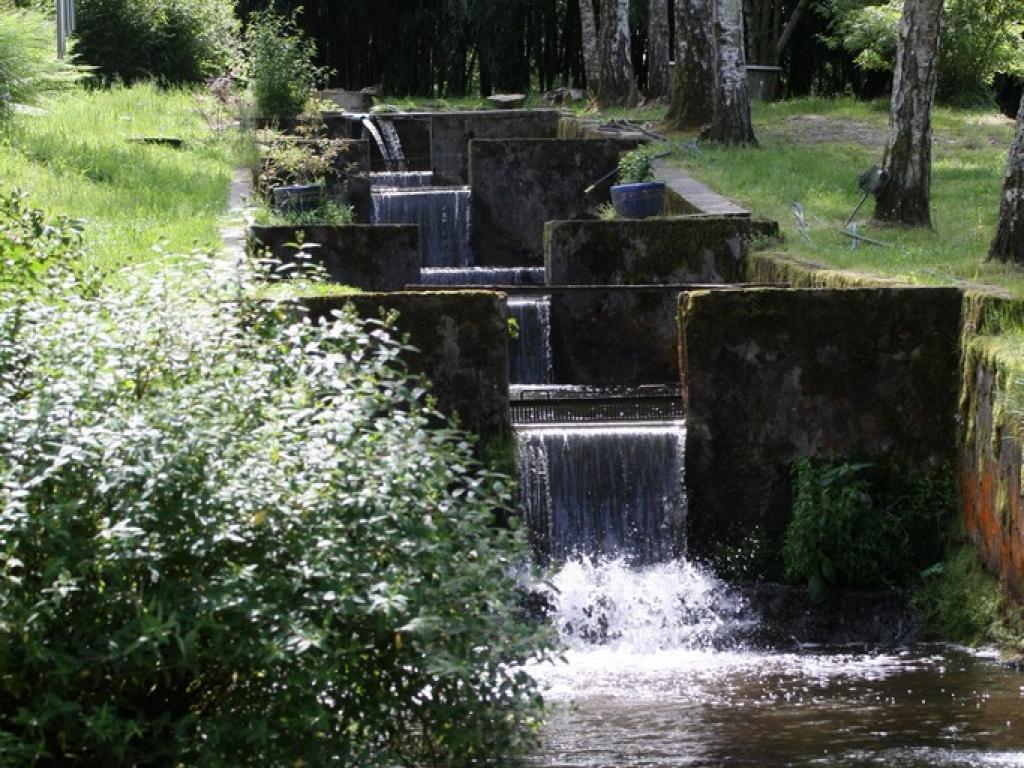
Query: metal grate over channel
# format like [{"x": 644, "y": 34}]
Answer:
[{"x": 569, "y": 404}]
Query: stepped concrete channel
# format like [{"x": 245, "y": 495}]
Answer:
[{"x": 658, "y": 379}]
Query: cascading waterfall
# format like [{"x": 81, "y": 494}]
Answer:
[
  {"x": 386, "y": 137},
  {"x": 443, "y": 215},
  {"x": 530, "y": 352},
  {"x": 395, "y": 154},
  {"x": 603, "y": 490},
  {"x": 401, "y": 179}
]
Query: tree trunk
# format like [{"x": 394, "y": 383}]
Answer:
[
  {"x": 908, "y": 149},
  {"x": 730, "y": 120},
  {"x": 1008, "y": 244},
  {"x": 658, "y": 84},
  {"x": 617, "y": 84},
  {"x": 591, "y": 58},
  {"x": 693, "y": 77}
]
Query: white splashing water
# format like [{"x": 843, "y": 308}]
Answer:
[{"x": 629, "y": 610}]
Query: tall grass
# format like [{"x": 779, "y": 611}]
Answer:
[
  {"x": 28, "y": 59},
  {"x": 80, "y": 159}
]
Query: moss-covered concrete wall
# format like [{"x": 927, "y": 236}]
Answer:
[
  {"x": 372, "y": 258},
  {"x": 691, "y": 249},
  {"x": 462, "y": 342},
  {"x": 992, "y": 455},
  {"x": 519, "y": 184},
  {"x": 773, "y": 374},
  {"x": 451, "y": 132}
]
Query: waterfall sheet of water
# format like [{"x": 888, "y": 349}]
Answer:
[
  {"x": 530, "y": 360},
  {"x": 401, "y": 179},
  {"x": 386, "y": 138},
  {"x": 443, "y": 216},
  {"x": 603, "y": 489},
  {"x": 395, "y": 154},
  {"x": 482, "y": 276}
]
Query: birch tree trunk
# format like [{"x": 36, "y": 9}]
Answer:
[
  {"x": 730, "y": 120},
  {"x": 1008, "y": 244},
  {"x": 617, "y": 83},
  {"x": 693, "y": 77},
  {"x": 591, "y": 58},
  {"x": 906, "y": 198},
  {"x": 658, "y": 84}
]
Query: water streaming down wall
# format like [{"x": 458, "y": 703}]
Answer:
[
  {"x": 401, "y": 179},
  {"x": 393, "y": 144},
  {"x": 603, "y": 490},
  {"x": 482, "y": 276},
  {"x": 443, "y": 215},
  {"x": 530, "y": 351}
]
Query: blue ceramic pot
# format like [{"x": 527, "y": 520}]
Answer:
[{"x": 638, "y": 201}]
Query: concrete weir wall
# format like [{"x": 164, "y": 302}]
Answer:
[
  {"x": 462, "y": 338},
  {"x": 607, "y": 335},
  {"x": 451, "y": 132},
  {"x": 520, "y": 184},
  {"x": 773, "y": 374},
  {"x": 689, "y": 249},
  {"x": 371, "y": 258}
]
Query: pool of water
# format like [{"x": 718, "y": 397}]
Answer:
[{"x": 646, "y": 682}]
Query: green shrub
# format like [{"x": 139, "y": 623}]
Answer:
[
  {"x": 28, "y": 59},
  {"x": 280, "y": 65},
  {"x": 172, "y": 41},
  {"x": 979, "y": 39},
  {"x": 230, "y": 539},
  {"x": 959, "y": 600},
  {"x": 854, "y": 525}
]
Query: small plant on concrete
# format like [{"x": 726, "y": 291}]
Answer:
[{"x": 637, "y": 166}]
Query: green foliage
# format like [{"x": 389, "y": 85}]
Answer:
[
  {"x": 279, "y": 65},
  {"x": 31, "y": 244},
  {"x": 979, "y": 39},
  {"x": 28, "y": 59},
  {"x": 855, "y": 526},
  {"x": 637, "y": 166},
  {"x": 231, "y": 539},
  {"x": 960, "y": 601},
  {"x": 171, "y": 41},
  {"x": 326, "y": 212}
]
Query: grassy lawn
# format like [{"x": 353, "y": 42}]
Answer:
[
  {"x": 78, "y": 159},
  {"x": 811, "y": 153}
]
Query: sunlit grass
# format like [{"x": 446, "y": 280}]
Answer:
[
  {"x": 811, "y": 153},
  {"x": 78, "y": 159}
]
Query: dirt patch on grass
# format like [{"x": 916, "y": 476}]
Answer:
[
  {"x": 821, "y": 129},
  {"x": 983, "y": 132}
]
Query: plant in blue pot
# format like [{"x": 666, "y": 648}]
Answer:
[{"x": 638, "y": 195}]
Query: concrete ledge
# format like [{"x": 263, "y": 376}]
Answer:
[
  {"x": 687, "y": 195},
  {"x": 770, "y": 375},
  {"x": 694, "y": 249}
]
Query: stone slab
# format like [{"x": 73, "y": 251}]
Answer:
[
  {"x": 519, "y": 184},
  {"x": 606, "y": 336},
  {"x": 371, "y": 258},
  {"x": 451, "y": 132},
  {"x": 771, "y": 374},
  {"x": 461, "y": 340},
  {"x": 693, "y": 249}
]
